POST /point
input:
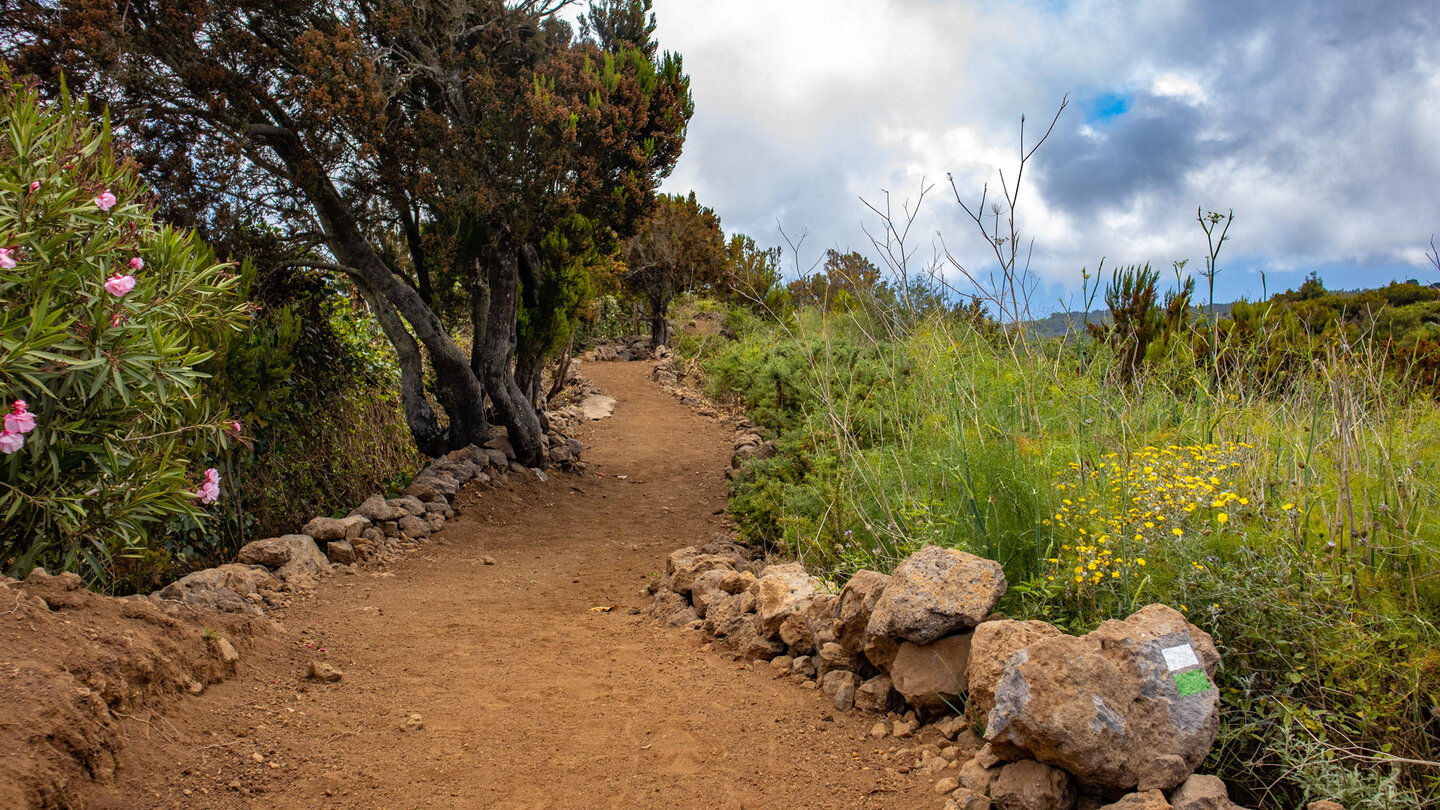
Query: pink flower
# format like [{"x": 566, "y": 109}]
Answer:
[
  {"x": 35, "y": 185},
  {"x": 137, "y": 263},
  {"x": 106, "y": 200},
  {"x": 7, "y": 258},
  {"x": 19, "y": 420},
  {"x": 236, "y": 426},
  {"x": 10, "y": 441},
  {"x": 117, "y": 320},
  {"x": 209, "y": 492},
  {"x": 119, "y": 285}
]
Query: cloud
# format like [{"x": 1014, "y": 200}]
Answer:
[{"x": 1316, "y": 122}]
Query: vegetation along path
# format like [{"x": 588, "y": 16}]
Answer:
[{"x": 527, "y": 696}]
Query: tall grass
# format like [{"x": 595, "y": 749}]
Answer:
[{"x": 1308, "y": 547}]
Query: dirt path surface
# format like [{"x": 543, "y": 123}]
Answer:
[{"x": 527, "y": 698}]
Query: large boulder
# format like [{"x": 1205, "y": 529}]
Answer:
[
  {"x": 293, "y": 557},
  {"x": 852, "y": 609},
  {"x": 1030, "y": 785},
  {"x": 341, "y": 552},
  {"x": 783, "y": 590},
  {"x": 224, "y": 588},
  {"x": 936, "y": 592},
  {"x": 720, "y": 617},
  {"x": 409, "y": 504},
  {"x": 932, "y": 676},
  {"x": 415, "y": 527},
  {"x": 990, "y": 650},
  {"x": 1129, "y": 705}
]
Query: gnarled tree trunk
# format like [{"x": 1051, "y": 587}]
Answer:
[
  {"x": 419, "y": 416},
  {"x": 497, "y": 351}
]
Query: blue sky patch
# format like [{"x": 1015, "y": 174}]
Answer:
[{"x": 1107, "y": 106}]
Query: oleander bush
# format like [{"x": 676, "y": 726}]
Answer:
[{"x": 105, "y": 321}]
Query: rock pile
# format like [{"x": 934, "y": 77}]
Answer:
[
  {"x": 1120, "y": 717},
  {"x": 625, "y": 349},
  {"x": 267, "y": 571}
]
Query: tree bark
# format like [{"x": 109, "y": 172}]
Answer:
[
  {"x": 410, "y": 221},
  {"x": 419, "y": 416},
  {"x": 497, "y": 351},
  {"x": 562, "y": 369},
  {"x": 466, "y": 396},
  {"x": 659, "y": 324}
]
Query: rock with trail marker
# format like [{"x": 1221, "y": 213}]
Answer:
[{"x": 1130, "y": 705}]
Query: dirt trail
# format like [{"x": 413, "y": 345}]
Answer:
[{"x": 528, "y": 698}]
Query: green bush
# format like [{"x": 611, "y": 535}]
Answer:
[{"x": 110, "y": 373}]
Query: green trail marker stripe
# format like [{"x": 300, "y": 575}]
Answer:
[{"x": 1192, "y": 683}]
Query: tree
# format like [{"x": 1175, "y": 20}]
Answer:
[
  {"x": 480, "y": 122},
  {"x": 752, "y": 277},
  {"x": 842, "y": 281},
  {"x": 679, "y": 248}
]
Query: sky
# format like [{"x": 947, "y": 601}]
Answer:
[{"x": 1317, "y": 122}]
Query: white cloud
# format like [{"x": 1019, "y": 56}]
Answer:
[{"x": 1316, "y": 122}]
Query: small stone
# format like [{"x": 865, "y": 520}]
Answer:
[
  {"x": 257, "y": 757},
  {"x": 977, "y": 777},
  {"x": 1201, "y": 792},
  {"x": 340, "y": 552},
  {"x": 951, "y": 726},
  {"x": 1030, "y": 785},
  {"x": 902, "y": 729},
  {"x": 876, "y": 695},
  {"x": 1145, "y": 800},
  {"x": 226, "y": 651},
  {"x": 947, "y": 785},
  {"x": 878, "y": 730},
  {"x": 967, "y": 799},
  {"x": 488, "y": 560},
  {"x": 321, "y": 671},
  {"x": 413, "y": 723}
]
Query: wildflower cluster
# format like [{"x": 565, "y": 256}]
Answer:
[{"x": 1117, "y": 510}]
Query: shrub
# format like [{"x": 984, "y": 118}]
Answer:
[{"x": 103, "y": 318}]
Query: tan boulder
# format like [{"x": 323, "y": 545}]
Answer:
[
  {"x": 684, "y": 565},
  {"x": 932, "y": 676},
  {"x": 784, "y": 590},
  {"x": 936, "y": 592},
  {"x": 853, "y": 607},
  {"x": 324, "y": 529}
]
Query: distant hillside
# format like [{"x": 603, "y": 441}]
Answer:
[{"x": 1059, "y": 323}]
